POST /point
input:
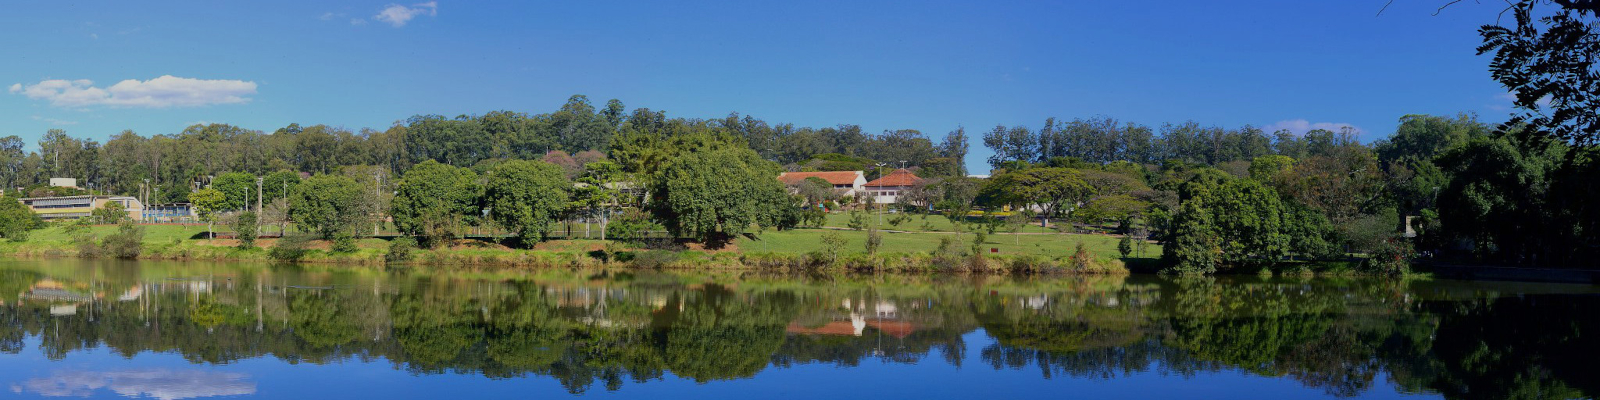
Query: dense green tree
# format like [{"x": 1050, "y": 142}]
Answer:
[
  {"x": 1194, "y": 247},
  {"x": 238, "y": 188},
  {"x": 435, "y": 201},
  {"x": 1249, "y": 222},
  {"x": 526, "y": 197},
  {"x": 1270, "y": 168},
  {"x": 276, "y": 185},
  {"x": 1051, "y": 189},
  {"x": 1501, "y": 199},
  {"x": 1114, "y": 208},
  {"x": 328, "y": 205},
  {"x": 578, "y": 127},
  {"x": 1423, "y": 137},
  {"x": 1012, "y": 144},
  {"x": 954, "y": 147},
  {"x": 16, "y": 220},
  {"x": 715, "y": 195}
]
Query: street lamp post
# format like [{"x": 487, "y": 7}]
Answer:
[{"x": 259, "y": 182}]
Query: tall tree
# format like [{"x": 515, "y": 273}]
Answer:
[
  {"x": 716, "y": 194},
  {"x": 329, "y": 205},
  {"x": 435, "y": 201},
  {"x": 208, "y": 203},
  {"x": 954, "y": 146},
  {"x": 1050, "y": 189},
  {"x": 1014, "y": 144},
  {"x": 238, "y": 188},
  {"x": 599, "y": 192},
  {"x": 526, "y": 197},
  {"x": 16, "y": 219}
]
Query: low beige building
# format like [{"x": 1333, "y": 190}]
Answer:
[{"x": 65, "y": 207}]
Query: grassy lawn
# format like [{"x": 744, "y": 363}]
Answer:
[
  {"x": 934, "y": 223},
  {"x": 795, "y": 241},
  {"x": 798, "y": 241},
  {"x": 152, "y": 233}
]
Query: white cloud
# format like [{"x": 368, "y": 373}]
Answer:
[
  {"x": 328, "y": 16},
  {"x": 399, "y": 15},
  {"x": 357, "y": 21},
  {"x": 55, "y": 122},
  {"x": 165, "y": 91},
  {"x": 158, "y": 383},
  {"x": 1301, "y": 126}
]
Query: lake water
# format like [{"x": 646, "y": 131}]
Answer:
[{"x": 191, "y": 330}]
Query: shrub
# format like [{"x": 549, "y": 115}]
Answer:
[
  {"x": 652, "y": 258},
  {"x": 290, "y": 248},
  {"x": 84, "y": 238},
  {"x": 1392, "y": 257},
  {"x": 1029, "y": 263},
  {"x": 344, "y": 242},
  {"x": 947, "y": 256},
  {"x": 245, "y": 229},
  {"x": 899, "y": 218},
  {"x": 631, "y": 225},
  {"x": 832, "y": 242},
  {"x": 16, "y": 219},
  {"x": 813, "y": 216},
  {"x": 1125, "y": 246},
  {"x": 1081, "y": 259},
  {"x": 111, "y": 213},
  {"x": 400, "y": 249},
  {"x": 127, "y": 243},
  {"x": 874, "y": 240},
  {"x": 858, "y": 220},
  {"x": 611, "y": 251}
]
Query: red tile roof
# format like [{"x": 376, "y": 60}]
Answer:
[
  {"x": 834, "y": 177},
  {"x": 894, "y": 328},
  {"x": 900, "y": 177},
  {"x": 841, "y": 328}
]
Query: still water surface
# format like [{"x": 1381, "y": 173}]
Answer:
[{"x": 181, "y": 331}]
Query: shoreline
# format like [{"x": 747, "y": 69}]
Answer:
[{"x": 682, "y": 260}]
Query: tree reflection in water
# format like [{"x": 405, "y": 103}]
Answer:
[{"x": 1468, "y": 341}]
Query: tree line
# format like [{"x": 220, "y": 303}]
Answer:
[{"x": 172, "y": 165}]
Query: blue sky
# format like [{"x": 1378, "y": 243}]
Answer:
[{"x": 926, "y": 65}]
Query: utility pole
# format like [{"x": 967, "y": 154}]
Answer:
[
  {"x": 259, "y": 181},
  {"x": 377, "y": 184},
  {"x": 874, "y": 197}
]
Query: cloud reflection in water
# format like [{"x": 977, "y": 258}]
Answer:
[{"x": 162, "y": 384}]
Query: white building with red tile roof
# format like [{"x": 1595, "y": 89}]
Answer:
[
  {"x": 887, "y": 189},
  {"x": 845, "y": 183}
]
